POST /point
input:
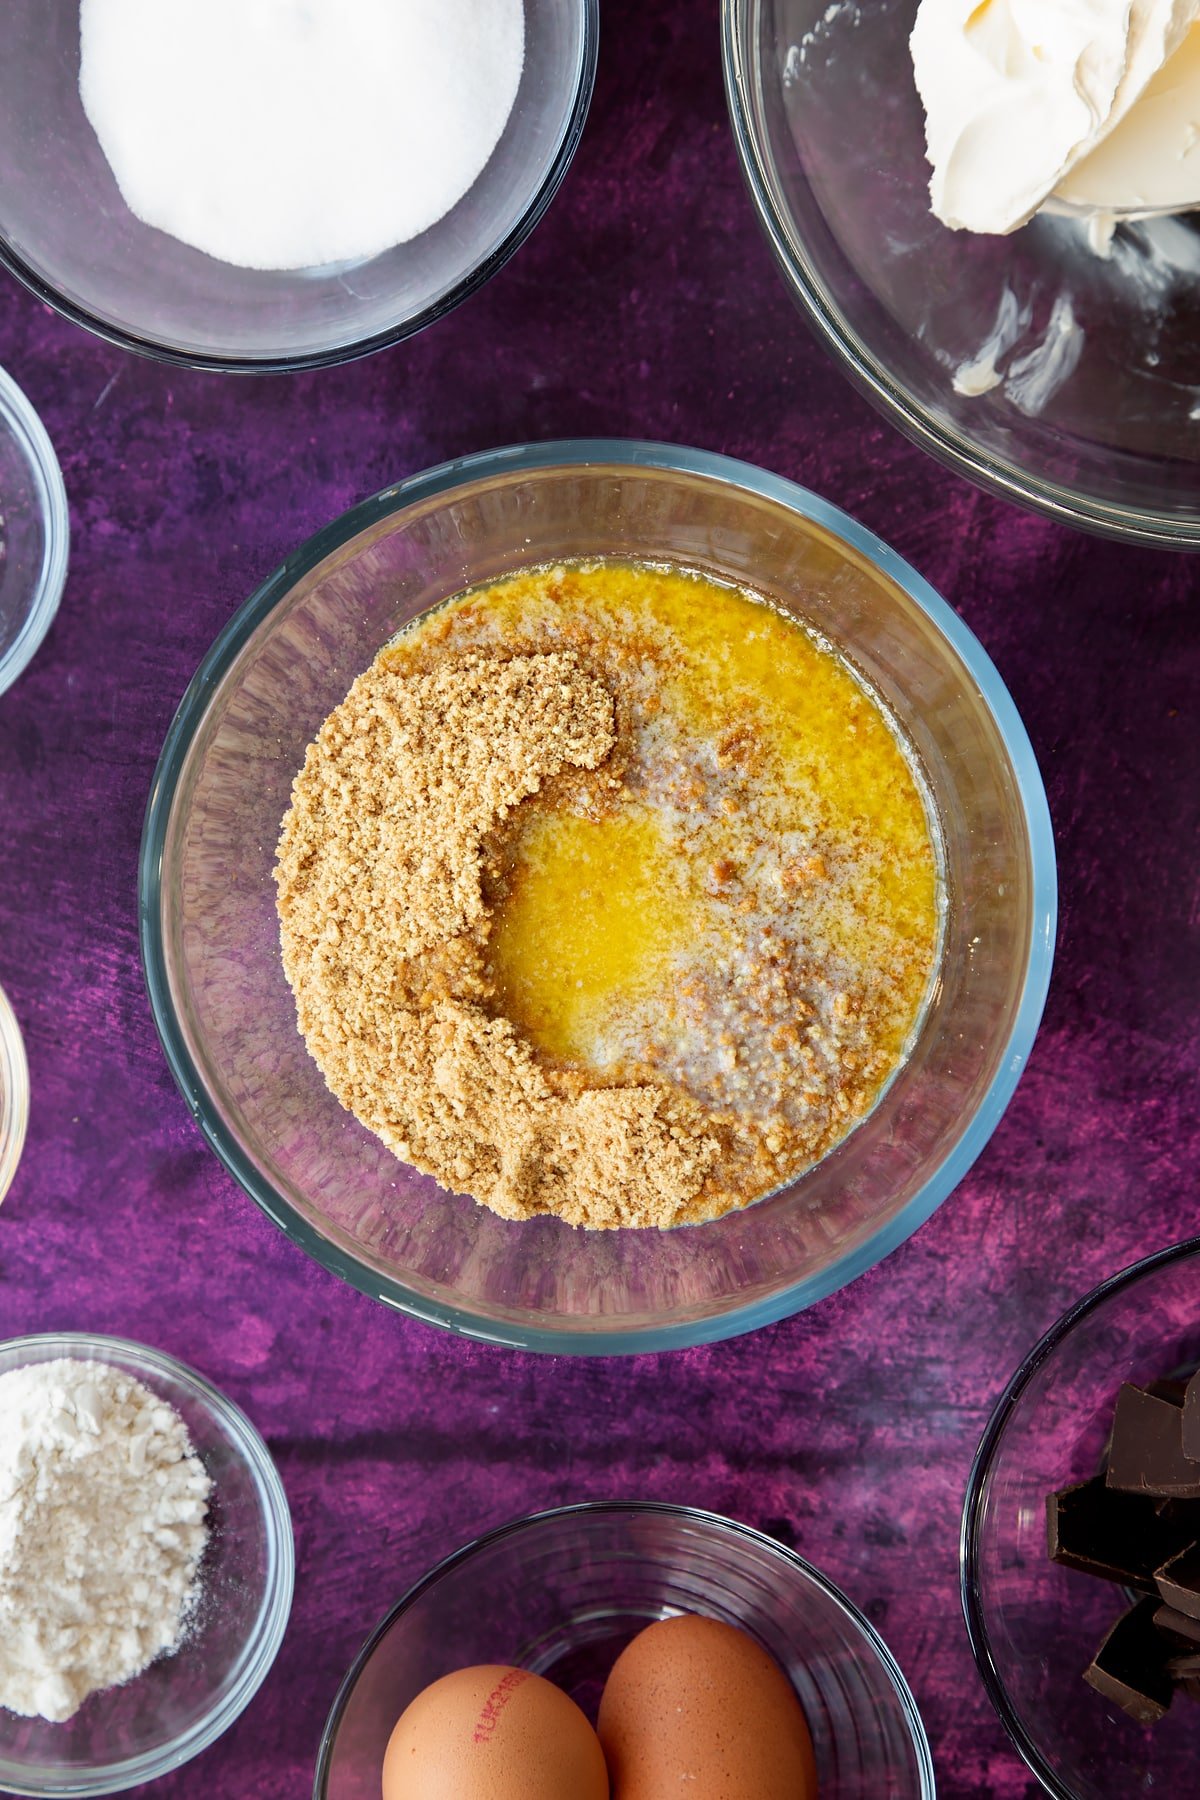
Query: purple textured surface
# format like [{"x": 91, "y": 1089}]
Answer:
[{"x": 645, "y": 305}]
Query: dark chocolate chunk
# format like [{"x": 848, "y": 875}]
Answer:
[
  {"x": 1183, "y": 1516},
  {"x": 1178, "y": 1581},
  {"x": 1169, "y": 1390},
  {"x": 1146, "y": 1454},
  {"x": 1184, "y": 1668},
  {"x": 1177, "y": 1627},
  {"x": 1130, "y": 1666},
  {"x": 1191, "y": 1419},
  {"x": 1113, "y": 1535}
]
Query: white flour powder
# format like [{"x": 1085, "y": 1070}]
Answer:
[
  {"x": 284, "y": 134},
  {"x": 102, "y": 1524}
]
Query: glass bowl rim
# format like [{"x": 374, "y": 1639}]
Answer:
[
  {"x": 538, "y": 204},
  {"x": 981, "y": 1466},
  {"x": 19, "y": 414},
  {"x": 274, "y": 1608},
  {"x": 14, "y": 1086},
  {"x": 669, "y": 460},
  {"x": 797, "y": 1564},
  {"x": 953, "y": 448}
]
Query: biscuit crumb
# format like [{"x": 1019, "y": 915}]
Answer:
[{"x": 382, "y": 925}]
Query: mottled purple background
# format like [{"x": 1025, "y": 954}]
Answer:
[{"x": 645, "y": 305}]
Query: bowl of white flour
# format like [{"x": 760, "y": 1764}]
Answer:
[
  {"x": 146, "y": 1564},
  {"x": 280, "y": 184}
]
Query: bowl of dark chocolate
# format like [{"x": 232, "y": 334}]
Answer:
[{"x": 1080, "y": 1535}]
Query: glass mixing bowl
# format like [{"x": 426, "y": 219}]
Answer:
[
  {"x": 210, "y": 940},
  {"x": 562, "y": 1593},
  {"x": 181, "y": 1703},
  {"x": 1035, "y": 1626},
  {"x": 1094, "y": 416},
  {"x": 69, "y": 236},
  {"x": 34, "y": 532}
]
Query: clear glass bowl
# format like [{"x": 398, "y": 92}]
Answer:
[
  {"x": 181, "y": 1703},
  {"x": 1094, "y": 420},
  {"x": 562, "y": 1593},
  {"x": 34, "y": 531},
  {"x": 1035, "y": 1626},
  {"x": 67, "y": 233},
  {"x": 211, "y": 948}
]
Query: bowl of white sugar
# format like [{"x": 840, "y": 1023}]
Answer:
[
  {"x": 146, "y": 1564},
  {"x": 280, "y": 184}
]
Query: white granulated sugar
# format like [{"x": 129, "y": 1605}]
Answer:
[
  {"x": 102, "y": 1526},
  {"x": 286, "y": 134}
]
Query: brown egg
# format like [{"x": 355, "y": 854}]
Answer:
[
  {"x": 493, "y": 1733},
  {"x": 699, "y": 1708}
]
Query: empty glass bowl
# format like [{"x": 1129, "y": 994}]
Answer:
[
  {"x": 68, "y": 234},
  {"x": 210, "y": 937},
  {"x": 34, "y": 531},
  {"x": 1094, "y": 362},
  {"x": 561, "y": 1593},
  {"x": 14, "y": 1094},
  {"x": 181, "y": 1703},
  {"x": 1035, "y": 1626}
]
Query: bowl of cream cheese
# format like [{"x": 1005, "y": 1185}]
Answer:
[
  {"x": 279, "y": 184},
  {"x": 561, "y": 1594},
  {"x": 985, "y": 211}
]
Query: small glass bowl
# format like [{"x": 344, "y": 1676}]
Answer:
[
  {"x": 1091, "y": 415},
  {"x": 69, "y": 236},
  {"x": 561, "y": 1593},
  {"x": 1035, "y": 1626},
  {"x": 181, "y": 1703},
  {"x": 34, "y": 532},
  {"x": 210, "y": 934},
  {"x": 14, "y": 1094}
]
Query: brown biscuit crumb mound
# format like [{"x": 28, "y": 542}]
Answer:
[{"x": 382, "y": 926}]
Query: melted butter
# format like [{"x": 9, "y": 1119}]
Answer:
[
  {"x": 766, "y": 790},
  {"x": 596, "y": 908}
]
